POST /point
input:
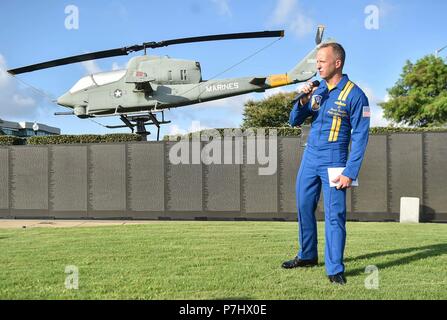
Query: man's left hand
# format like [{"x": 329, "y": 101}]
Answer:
[{"x": 343, "y": 182}]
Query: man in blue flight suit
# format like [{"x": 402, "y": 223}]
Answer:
[{"x": 340, "y": 114}]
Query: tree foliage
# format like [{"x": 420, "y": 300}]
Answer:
[
  {"x": 419, "y": 97},
  {"x": 270, "y": 112}
]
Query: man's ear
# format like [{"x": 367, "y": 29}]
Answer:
[{"x": 338, "y": 64}]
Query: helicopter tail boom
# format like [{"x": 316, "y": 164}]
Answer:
[{"x": 303, "y": 71}]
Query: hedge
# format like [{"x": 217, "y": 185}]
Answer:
[
  {"x": 87, "y": 138},
  {"x": 287, "y": 131},
  {"x": 69, "y": 139},
  {"x": 281, "y": 132},
  {"x": 382, "y": 130},
  {"x": 123, "y": 137},
  {"x": 11, "y": 140}
]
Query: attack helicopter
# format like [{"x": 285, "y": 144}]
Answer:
[{"x": 152, "y": 84}]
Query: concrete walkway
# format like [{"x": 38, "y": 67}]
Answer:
[{"x": 18, "y": 223}]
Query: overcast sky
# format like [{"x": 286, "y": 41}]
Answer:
[{"x": 377, "y": 35}]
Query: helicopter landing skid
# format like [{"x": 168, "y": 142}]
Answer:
[{"x": 140, "y": 122}]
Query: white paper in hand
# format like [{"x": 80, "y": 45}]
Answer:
[{"x": 334, "y": 173}]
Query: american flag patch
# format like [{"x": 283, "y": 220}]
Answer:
[{"x": 366, "y": 112}]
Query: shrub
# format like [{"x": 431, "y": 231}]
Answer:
[
  {"x": 88, "y": 138},
  {"x": 11, "y": 140}
]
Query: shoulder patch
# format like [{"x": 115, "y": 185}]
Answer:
[
  {"x": 316, "y": 102},
  {"x": 366, "y": 112}
]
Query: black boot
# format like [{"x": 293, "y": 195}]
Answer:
[
  {"x": 298, "y": 263},
  {"x": 338, "y": 278}
]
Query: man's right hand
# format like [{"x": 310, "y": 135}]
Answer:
[{"x": 309, "y": 89}]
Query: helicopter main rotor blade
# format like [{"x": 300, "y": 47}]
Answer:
[
  {"x": 126, "y": 50},
  {"x": 216, "y": 37},
  {"x": 69, "y": 60}
]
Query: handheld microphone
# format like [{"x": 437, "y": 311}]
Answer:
[{"x": 298, "y": 97}]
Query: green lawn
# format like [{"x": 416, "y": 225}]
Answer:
[{"x": 218, "y": 260}]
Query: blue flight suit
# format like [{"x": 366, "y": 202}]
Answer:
[{"x": 338, "y": 116}]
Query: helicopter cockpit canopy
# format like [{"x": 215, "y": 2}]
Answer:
[{"x": 97, "y": 79}]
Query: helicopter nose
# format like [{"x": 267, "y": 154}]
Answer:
[{"x": 65, "y": 100}]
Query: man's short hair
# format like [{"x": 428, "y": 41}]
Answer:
[{"x": 338, "y": 50}]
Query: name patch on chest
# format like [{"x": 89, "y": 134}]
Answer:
[{"x": 338, "y": 112}]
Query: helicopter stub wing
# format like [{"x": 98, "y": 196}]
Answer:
[{"x": 258, "y": 81}]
